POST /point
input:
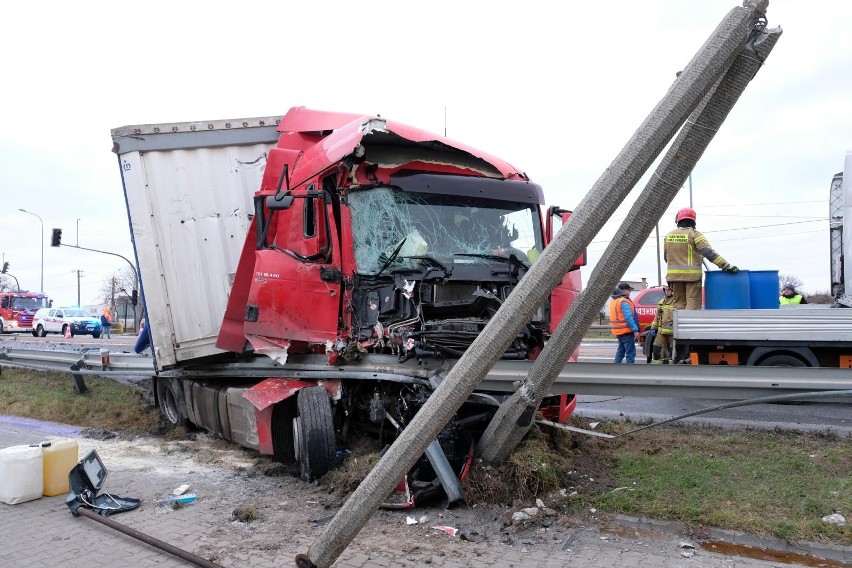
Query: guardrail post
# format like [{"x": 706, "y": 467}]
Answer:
[{"x": 79, "y": 384}]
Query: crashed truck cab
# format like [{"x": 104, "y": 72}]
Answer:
[
  {"x": 372, "y": 237},
  {"x": 374, "y": 255}
]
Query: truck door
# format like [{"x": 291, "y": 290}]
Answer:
[
  {"x": 296, "y": 287},
  {"x": 571, "y": 286}
]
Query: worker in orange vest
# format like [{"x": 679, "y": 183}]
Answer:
[{"x": 624, "y": 322}]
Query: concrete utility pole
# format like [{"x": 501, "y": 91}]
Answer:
[
  {"x": 656, "y": 131},
  {"x": 515, "y": 416}
]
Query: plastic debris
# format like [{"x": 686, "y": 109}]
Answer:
[
  {"x": 180, "y": 490},
  {"x": 452, "y": 531},
  {"x": 410, "y": 521},
  {"x": 177, "y": 500}
]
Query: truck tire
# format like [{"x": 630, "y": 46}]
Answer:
[
  {"x": 2, "y": 329},
  {"x": 782, "y": 361},
  {"x": 172, "y": 402},
  {"x": 35, "y": 333},
  {"x": 40, "y": 331},
  {"x": 313, "y": 433}
]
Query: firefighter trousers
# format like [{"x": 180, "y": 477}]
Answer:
[{"x": 687, "y": 295}]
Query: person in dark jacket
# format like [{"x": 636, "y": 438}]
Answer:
[
  {"x": 790, "y": 296},
  {"x": 106, "y": 324},
  {"x": 624, "y": 322}
]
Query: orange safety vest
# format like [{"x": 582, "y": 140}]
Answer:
[{"x": 617, "y": 323}]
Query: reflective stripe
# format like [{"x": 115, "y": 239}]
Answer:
[{"x": 685, "y": 270}]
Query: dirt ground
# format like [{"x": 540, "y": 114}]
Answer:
[{"x": 265, "y": 501}]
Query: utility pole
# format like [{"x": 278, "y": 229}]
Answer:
[{"x": 79, "y": 274}]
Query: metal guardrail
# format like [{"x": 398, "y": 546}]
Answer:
[
  {"x": 125, "y": 363},
  {"x": 664, "y": 381}
]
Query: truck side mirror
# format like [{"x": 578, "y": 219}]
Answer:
[
  {"x": 556, "y": 217},
  {"x": 279, "y": 202}
]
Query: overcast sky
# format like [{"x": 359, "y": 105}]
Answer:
[{"x": 554, "y": 88}]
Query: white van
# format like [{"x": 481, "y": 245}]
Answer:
[{"x": 57, "y": 320}]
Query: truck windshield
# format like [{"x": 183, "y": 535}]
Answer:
[
  {"x": 20, "y": 303},
  {"x": 447, "y": 228}
]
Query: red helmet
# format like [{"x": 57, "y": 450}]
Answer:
[{"x": 685, "y": 213}]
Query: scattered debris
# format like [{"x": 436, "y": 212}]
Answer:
[
  {"x": 452, "y": 531},
  {"x": 410, "y": 521},
  {"x": 835, "y": 519},
  {"x": 181, "y": 490},
  {"x": 246, "y": 514}
]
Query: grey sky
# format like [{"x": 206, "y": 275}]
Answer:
[{"x": 554, "y": 88}]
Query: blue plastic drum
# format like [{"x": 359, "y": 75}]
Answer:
[
  {"x": 763, "y": 289},
  {"x": 726, "y": 291}
]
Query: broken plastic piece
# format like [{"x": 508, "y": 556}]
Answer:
[
  {"x": 177, "y": 499},
  {"x": 452, "y": 531},
  {"x": 181, "y": 490}
]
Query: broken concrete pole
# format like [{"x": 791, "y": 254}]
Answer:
[
  {"x": 515, "y": 416},
  {"x": 712, "y": 60}
]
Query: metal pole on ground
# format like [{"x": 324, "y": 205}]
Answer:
[
  {"x": 656, "y": 131},
  {"x": 509, "y": 426}
]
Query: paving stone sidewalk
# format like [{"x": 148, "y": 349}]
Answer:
[{"x": 43, "y": 533}]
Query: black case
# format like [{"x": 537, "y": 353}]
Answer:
[{"x": 85, "y": 481}]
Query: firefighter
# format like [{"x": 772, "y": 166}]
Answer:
[
  {"x": 663, "y": 328},
  {"x": 790, "y": 296},
  {"x": 683, "y": 250}
]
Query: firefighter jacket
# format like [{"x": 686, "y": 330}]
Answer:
[
  {"x": 622, "y": 315},
  {"x": 797, "y": 299},
  {"x": 664, "y": 320},
  {"x": 683, "y": 250}
]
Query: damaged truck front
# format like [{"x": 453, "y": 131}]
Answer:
[{"x": 324, "y": 305}]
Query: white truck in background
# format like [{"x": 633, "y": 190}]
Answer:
[{"x": 795, "y": 335}]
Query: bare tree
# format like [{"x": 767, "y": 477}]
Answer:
[
  {"x": 120, "y": 285},
  {"x": 7, "y": 284}
]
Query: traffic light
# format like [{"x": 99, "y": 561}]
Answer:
[
  {"x": 134, "y": 298},
  {"x": 56, "y": 239},
  {"x": 5, "y": 267}
]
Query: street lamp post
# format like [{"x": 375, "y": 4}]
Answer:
[{"x": 42, "y": 245}]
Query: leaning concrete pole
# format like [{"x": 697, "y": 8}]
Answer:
[
  {"x": 515, "y": 417},
  {"x": 712, "y": 60}
]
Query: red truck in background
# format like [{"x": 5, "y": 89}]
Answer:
[
  {"x": 18, "y": 308},
  {"x": 354, "y": 258}
]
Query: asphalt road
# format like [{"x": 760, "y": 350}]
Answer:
[{"x": 807, "y": 416}]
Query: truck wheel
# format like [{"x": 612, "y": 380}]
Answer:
[
  {"x": 40, "y": 331},
  {"x": 313, "y": 433},
  {"x": 35, "y": 333},
  {"x": 2, "y": 329},
  {"x": 172, "y": 402},
  {"x": 782, "y": 361}
]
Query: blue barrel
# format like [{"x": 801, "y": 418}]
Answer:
[
  {"x": 726, "y": 291},
  {"x": 763, "y": 289}
]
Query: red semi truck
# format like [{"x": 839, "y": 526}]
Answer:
[
  {"x": 17, "y": 310},
  {"x": 306, "y": 278}
]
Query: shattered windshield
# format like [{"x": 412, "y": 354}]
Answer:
[
  {"x": 20, "y": 303},
  {"x": 450, "y": 229}
]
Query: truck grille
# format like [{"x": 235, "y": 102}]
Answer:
[{"x": 454, "y": 293}]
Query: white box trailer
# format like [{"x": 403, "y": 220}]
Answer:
[{"x": 189, "y": 188}]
